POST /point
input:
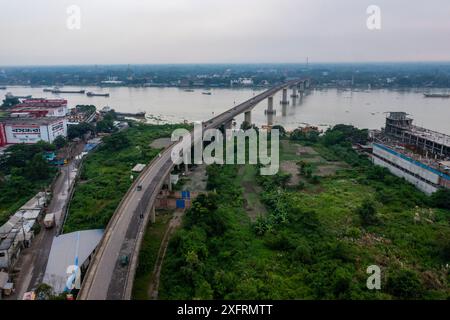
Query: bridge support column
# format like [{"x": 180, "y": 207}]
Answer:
[
  {"x": 270, "y": 106},
  {"x": 284, "y": 100},
  {"x": 186, "y": 168},
  {"x": 284, "y": 110},
  {"x": 248, "y": 117},
  {"x": 294, "y": 92},
  {"x": 301, "y": 88}
]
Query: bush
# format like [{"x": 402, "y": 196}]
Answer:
[
  {"x": 441, "y": 199},
  {"x": 302, "y": 253},
  {"x": 404, "y": 284},
  {"x": 368, "y": 213}
]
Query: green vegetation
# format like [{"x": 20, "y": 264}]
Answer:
[
  {"x": 105, "y": 175},
  {"x": 314, "y": 243},
  {"x": 148, "y": 255},
  {"x": 79, "y": 130},
  {"x": 23, "y": 172}
]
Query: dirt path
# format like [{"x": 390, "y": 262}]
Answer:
[
  {"x": 174, "y": 224},
  {"x": 253, "y": 205}
]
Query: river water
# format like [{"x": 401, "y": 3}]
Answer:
[{"x": 364, "y": 109}]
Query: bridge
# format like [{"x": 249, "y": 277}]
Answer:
[{"x": 106, "y": 278}]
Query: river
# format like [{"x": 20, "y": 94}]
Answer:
[{"x": 362, "y": 108}]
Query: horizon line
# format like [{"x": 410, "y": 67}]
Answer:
[{"x": 230, "y": 63}]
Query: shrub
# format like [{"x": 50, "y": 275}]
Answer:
[{"x": 404, "y": 284}]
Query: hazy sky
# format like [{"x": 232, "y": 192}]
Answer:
[{"x": 228, "y": 31}]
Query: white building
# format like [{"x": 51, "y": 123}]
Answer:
[
  {"x": 424, "y": 177},
  {"x": 32, "y": 130}
]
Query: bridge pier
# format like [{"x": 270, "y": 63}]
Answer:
[
  {"x": 284, "y": 100},
  {"x": 270, "y": 106},
  {"x": 301, "y": 88},
  {"x": 248, "y": 117},
  {"x": 294, "y": 92}
]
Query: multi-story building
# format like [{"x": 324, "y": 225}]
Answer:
[
  {"x": 400, "y": 127},
  {"x": 417, "y": 154},
  {"x": 41, "y": 108},
  {"x": 31, "y": 130}
]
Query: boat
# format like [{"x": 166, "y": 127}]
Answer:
[
  {"x": 50, "y": 89},
  {"x": 2, "y": 88},
  {"x": 9, "y": 95},
  {"x": 188, "y": 90},
  {"x": 206, "y": 93},
  {"x": 68, "y": 91},
  {"x": 436, "y": 95},
  {"x": 132, "y": 115},
  {"x": 92, "y": 94}
]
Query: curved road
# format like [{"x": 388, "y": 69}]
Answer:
[{"x": 105, "y": 278}]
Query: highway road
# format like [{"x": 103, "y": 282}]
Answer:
[{"x": 106, "y": 279}]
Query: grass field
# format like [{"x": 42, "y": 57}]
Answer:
[{"x": 106, "y": 176}]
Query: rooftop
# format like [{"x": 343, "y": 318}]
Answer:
[
  {"x": 66, "y": 249},
  {"x": 30, "y": 121}
]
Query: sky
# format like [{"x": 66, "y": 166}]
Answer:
[{"x": 36, "y": 32}]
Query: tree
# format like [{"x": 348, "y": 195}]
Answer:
[
  {"x": 79, "y": 130},
  {"x": 441, "y": 199},
  {"x": 117, "y": 141},
  {"x": 404, "y": 284},
  {"x": 10, "y": 102},
  {"x": 367, "y": 212},
  {"x": 105, "y": 126},
  {"x": 38, "y": 168},
  {"x": 280, "y": 129},
  {"x": 60, "y": 142}
]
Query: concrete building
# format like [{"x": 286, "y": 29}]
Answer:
[
  {"x": 423, "y": 173},
  {"x": 400, "y": 127},
  {"x": 17, "y": 232},
  {"x": 31, "y": 130},
  {"x": 41, "y": 108},
  {"x": 417, "y": 154}
]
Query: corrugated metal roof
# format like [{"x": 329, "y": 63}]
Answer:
[{"x": 65, "y": 249}]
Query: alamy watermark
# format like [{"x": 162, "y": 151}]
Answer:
[
  {"x": 374, "y": 280},
  {"x": 73, "y": 21},
  {"x": 233, "y": 142},
  {"x": 374, "y": 19}
]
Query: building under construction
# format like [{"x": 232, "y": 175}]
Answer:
[
  {"x": 400, "y": 127},
  {"x": 419, "y": 155}
]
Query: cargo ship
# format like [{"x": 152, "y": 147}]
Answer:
[
  {"x": 436, "y": 95},
  {"x": 107, "y": 109},
  {"x": 2, "y": 88},
  {"x": 92, "y": 94},
  {"x": 68, "y": 91}
]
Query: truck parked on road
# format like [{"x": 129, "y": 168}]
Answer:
[{"x": 49, "y": 220}]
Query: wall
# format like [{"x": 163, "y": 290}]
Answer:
[{"x": 424, "y": 179}]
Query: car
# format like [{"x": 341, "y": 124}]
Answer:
[
  {"x": 124, "y": 260},
  {"x": 139, "y": 188}
]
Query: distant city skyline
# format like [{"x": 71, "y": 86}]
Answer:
[{"x": 221, "y": 31}]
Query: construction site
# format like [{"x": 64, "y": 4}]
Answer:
[{"x": 420, "y": 155}]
